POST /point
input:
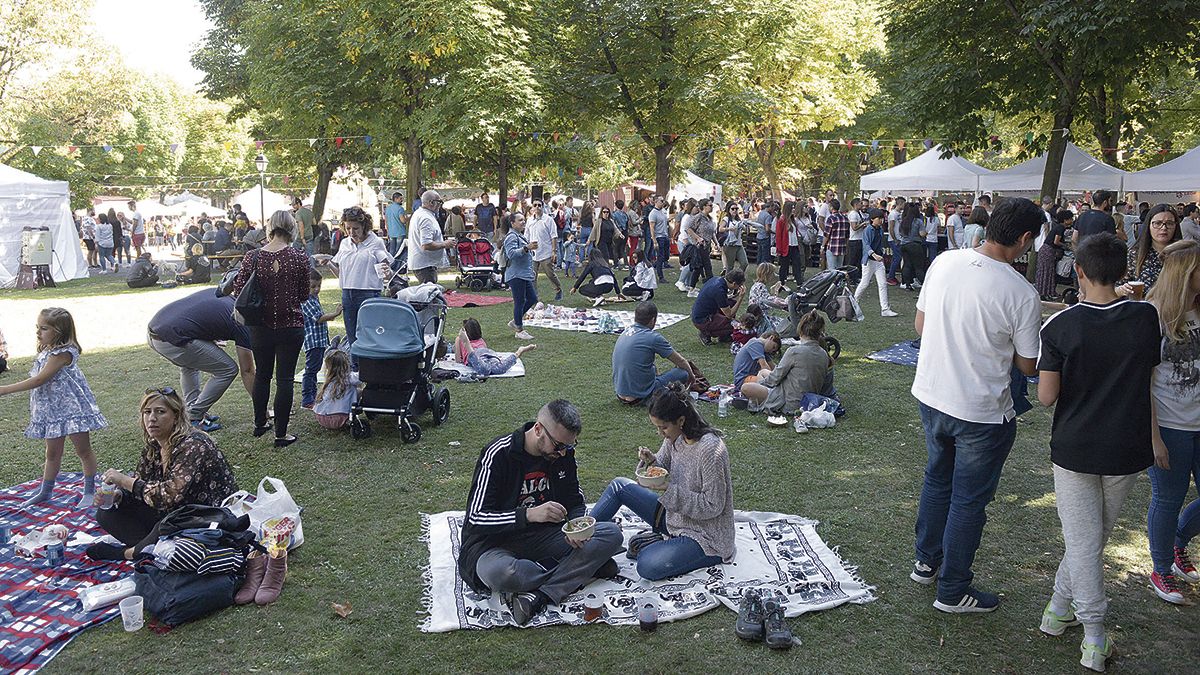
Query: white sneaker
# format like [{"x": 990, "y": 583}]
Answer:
[
  {"x": 598, "y": 301},
  {"x": 523, "y": 335},
  {"x": 645, "y": 296},
  {"x": 512, "y": 324},
  {"x": 693, "y": 293},
  {"x": 681, "y": 287},
  {"x": 916, "y": 284},
  {"x": 888, "y": 313},
  {"x": 801, "y": 427}
]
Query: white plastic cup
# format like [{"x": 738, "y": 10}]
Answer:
[{"x": 131, "y": 613}]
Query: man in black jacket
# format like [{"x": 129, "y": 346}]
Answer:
[{"x": 525, "y": 486}]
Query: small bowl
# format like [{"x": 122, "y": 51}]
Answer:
[
  {"x": 652, "y": 482},
  {"x": 574, "y": 532}
]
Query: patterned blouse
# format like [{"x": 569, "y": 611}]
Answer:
[
  {"x": 198, "y": 474},
  {"x": 1151, "y": 267},
  {"x": 283, "y": 278}
]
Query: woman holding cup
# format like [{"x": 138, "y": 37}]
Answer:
[
  {"x": 179, "y": 465},
  {"x": 692, "y": 516},
  {"x": 1145, "y": 258},
  {"x": 357, "y": 265}
]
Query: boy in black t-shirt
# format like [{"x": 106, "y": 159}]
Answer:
[{"x": 1096, "y": 363}]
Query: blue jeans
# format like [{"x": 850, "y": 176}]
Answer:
[
  {"x": 491, "y": 363},
  {"x": 1168, "y": 490},
  {"x": 664, "y": 252},
  {"x": 660, "y": 560},
  {"x": 313, "y": 360},
  {"x": 126, "y": 242},
  {"x": 764, "y": 250},
  {"x": 352, "y": 299},
  {"x": 931, "y": 250},
  {"x": 895, "y": 265},
  {"x": 525, "y": 295},
  {"x": 393, "y": 244},
  {"x": 965, "y": 460},
  {"x": 106, "y": 257}
]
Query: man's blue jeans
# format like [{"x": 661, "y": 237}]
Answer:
[
  {"x": 895, "y": 264},
  {"x": 660, "y": 560},
  {"x": 1169, "y": 489},
  {"x": 393, "y": 244},
  {"x": 764, "y": 250},
  {"x": 664, "y": 252},
  {"x": 965, "y": 460},
  {"x": 672, "y": 375}
]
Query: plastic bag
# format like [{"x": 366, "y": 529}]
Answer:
[{"x": 268, "y": 506}]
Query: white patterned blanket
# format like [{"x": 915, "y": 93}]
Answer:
[{"x": 589, "y": 320}]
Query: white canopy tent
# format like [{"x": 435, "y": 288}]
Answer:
[
  {"x": 1080, "y": 171},
  {"x": 29, "y": 201},
  {"x": 271, "y": 202},
  {"x": 927, "y": 172},
  {"x": 695, "y": 187},
  {"x": 1181, "y": 174}
]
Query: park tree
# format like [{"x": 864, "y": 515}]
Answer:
[
  {"x": 1032, "y": 59},
  {"x": 33, "y": 34}
]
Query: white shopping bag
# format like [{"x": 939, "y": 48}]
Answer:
[{"x": 268, "y": 508}]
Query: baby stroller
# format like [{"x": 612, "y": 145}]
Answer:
[
  {"x": 397, "y": 343},
  {"x": 1064, "y": 273},
  {"x": 477, "y": 267},
  {"x": 828, "y": 292}
]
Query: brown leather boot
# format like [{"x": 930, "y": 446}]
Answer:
[
  {"x": 256, "y": 567},
  {"x": 272, "y": 582}
]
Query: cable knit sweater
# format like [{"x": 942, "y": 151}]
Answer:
[{"x": 699, "y": 497}]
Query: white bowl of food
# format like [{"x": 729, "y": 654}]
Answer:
[
  {"x": 652, "y": 477},
  {"x": 579, "y": 529}
]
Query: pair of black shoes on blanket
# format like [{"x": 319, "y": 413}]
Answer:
[{"x": 761, "y": 620}]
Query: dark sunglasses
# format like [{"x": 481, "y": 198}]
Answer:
[
  {"x": 164, "y": 391},
  {"x": 537, "y": 204},
  {"x": 560, "y": 448}
]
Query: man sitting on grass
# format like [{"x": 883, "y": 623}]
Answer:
[
  {"x": 524, "y": 488},
  {"x": 635, "y": 378},
  {"x": 715, "y": 309}
]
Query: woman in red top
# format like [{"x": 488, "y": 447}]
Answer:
[
  {"x": 282, "y": 274},
  {"x": 788, "y": 247}
]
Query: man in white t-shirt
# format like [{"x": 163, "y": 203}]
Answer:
[
  {"x": 973, "y": 302},
  {"x": 956, "y": 226},
  {"x": 544, "y": 231},
  {"x": 138, "y": 227},
  {"x": 858, "y": 224},
  {"x": 426, "y": 247}
]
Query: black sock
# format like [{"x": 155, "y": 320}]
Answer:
[{"x": 105, "y": 551}]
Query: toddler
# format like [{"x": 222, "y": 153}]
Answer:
[
  {"x": 61, "y": 405},
  {"x": 572, "y": 255},
  {"x": 339, "y": 392}
]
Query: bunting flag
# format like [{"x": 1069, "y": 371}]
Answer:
[
  {"x": 875, "y": 146},
  {"x": 312, "y": 142},
  {"x": 228, "y": 146},
  {"x": 554, "y": 136},
  {"x": 338, "y": 141},
  {"x": 70, "y": 149},
  {"x": 37, "y": 150},
  {"x": 368, "y": 140},
  {"x": 824, "y": 145},
  {"x": 781, "y": 142},
  {"x": 804, "y": 144},
  {"x": 107, "y": 148},
  {"x": 259, "y": 144},
  {"x": 140, "y": 148},
  {"x": 174, "y": 148},
  {"x": 928, "y": 144}
]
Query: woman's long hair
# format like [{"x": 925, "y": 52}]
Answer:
[
  {"x": 1172, "y": 293},
  {"x": 182, "y": 427},
  {"x": 337, "y": 375},
  {"x": 1145, "y": 241},
  {"x": 674, "y": 402},
  {"x": 912, "y": 211},
  {"x": 979, "y": 216}
]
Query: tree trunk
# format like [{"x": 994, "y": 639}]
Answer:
[
  {"x": 662, "y": 168},
  {"x": 324, "y": 174},
  {"x": 1108, "y": 119},
  {"x": 1063, "y": 116},
  {"x": 502, "y": 173},
  {"x": 412, "y": 168},
  {"x": 766, "y": 157}
]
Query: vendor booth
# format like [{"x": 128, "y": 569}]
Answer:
[{"x": 38, "y": 239}]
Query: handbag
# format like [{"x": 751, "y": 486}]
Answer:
[
  {"x": 250, "y": 308},
  {"x": 267, "y": 508},
  {"x": 176, "y": 598}
]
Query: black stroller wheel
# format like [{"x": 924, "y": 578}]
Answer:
[
  {"x": 441, "y": 406},
  {"x": 360, "y": 428},
  {"x": 410, "y": 431},
  {"x": 458, "y": 282},
  {"x": 1070, "y": 296},
  {"x": 833, "y": 347},
  {"x": 476, "y": 284}
]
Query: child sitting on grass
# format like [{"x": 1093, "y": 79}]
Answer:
[
  {"x": 469, "y": 348},
  {"x": 339, "y": 392},
  {"x": 1096, "y": 455}
]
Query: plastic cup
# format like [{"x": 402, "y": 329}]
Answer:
[
  {"x": 131, "y": 613},
  {"x": 1139, "y": 289}
]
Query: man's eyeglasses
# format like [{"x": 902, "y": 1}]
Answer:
[
  {"x": 560, "y": 448},
  {"x": 164, "y": 391}
]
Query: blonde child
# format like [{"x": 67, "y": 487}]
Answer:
[
  {"x": 338, "y": 393},
  {"x": 61, "y": 404}
]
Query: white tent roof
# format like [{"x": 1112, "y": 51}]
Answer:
[
  {"x": 695, "y": 187},
  {"x": 272, "y": 202},
  {"x": 927, "y": 171},
  {"x": 1080, "y": 171},
  {"x": 1181, "y": 174},
  {"x": 29, "y": 201}
]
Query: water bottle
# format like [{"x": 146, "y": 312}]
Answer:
[{"x": 723, "y": 404}]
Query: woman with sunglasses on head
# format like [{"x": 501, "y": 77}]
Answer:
[
  {"x": 179, "y": 465},
  {"x": 691, "y": 517},
  {"x": 281, "y": 273},
  {"x": 1145, "y": 257},
  {"x": 357, "y": 266}
]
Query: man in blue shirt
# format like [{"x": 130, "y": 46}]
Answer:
[
  {"x": 394, "y": 217},
  {"x": 715, "y": 309},
  {"x": 485, "y": 215},
  {"x": 752, "y": 359},
  {"x": 635, "y": 378}
]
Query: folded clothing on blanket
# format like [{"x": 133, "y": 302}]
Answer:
[
  {"x": 779, "y": 554},
  {"x": 39, "y": 610}
]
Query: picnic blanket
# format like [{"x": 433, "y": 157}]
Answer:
[
  {"x": 591, "y": 320},
  {"x": 902, "y": 353},
  {"x": 459, "y": 299},
  {"x": 39, "y": 612},
  {"x": 518, "y": 369},
  {"x": 778, "y": 553}
]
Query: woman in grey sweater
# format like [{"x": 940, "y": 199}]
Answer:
[
  {"x": 692, "y": 519},
  {"x": 805, "y": 368}
]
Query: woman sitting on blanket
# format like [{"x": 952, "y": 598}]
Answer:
[
  {"x": 470, "y": 349},
  {"x": 179, "y": 465},
  {"x": 602, "y": 281},
  {"x": 805, "y": 368},
  {"x": 692, "y": 518}
]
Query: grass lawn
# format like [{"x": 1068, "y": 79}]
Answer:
[{"x": 861, "y": 479}]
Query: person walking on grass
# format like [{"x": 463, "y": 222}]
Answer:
[
  {"x": 519, "y": 275},
  {"x": 872, "y": 261},
  {"x": 973, "y": 302},
  {"x": 1097, "y": 456},
  {"x": 544, "y": 231}
]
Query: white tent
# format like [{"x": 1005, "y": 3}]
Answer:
[
  {"x": 272, "y": 202},
  {"x": 344, "y": 195},
  {"x": 927, "y": 172},
  {"x": 695, "y": 187},
  {"x": 1080, "y": 171},
  {"x": 1181, "y": 174},
  {"x": 29, "y": 201}
]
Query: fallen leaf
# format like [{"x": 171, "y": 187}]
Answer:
[{"x": 342, "y": 609}]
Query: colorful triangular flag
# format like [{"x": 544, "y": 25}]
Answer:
[
  {"x": 259, "y": 144},
  {"x": 71, "y": 149},
  {"x": 368, "y": 140},
  {"x": 106, "y": 148},
  {"x": 37, "y": 150},
  {"x": 312, "y": 142},
  {"x": 174, "y": 148},
  {"x": 824, "y": 145},
  {"x": 928, "y": 144},
  {"x": 140, "y": 147},
  {"x": 338, "y": 141}
]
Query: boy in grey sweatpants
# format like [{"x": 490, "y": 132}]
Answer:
[{"x": 1096, "y": 363}]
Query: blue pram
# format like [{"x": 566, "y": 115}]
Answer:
[{"x": 396, "y": 346}]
